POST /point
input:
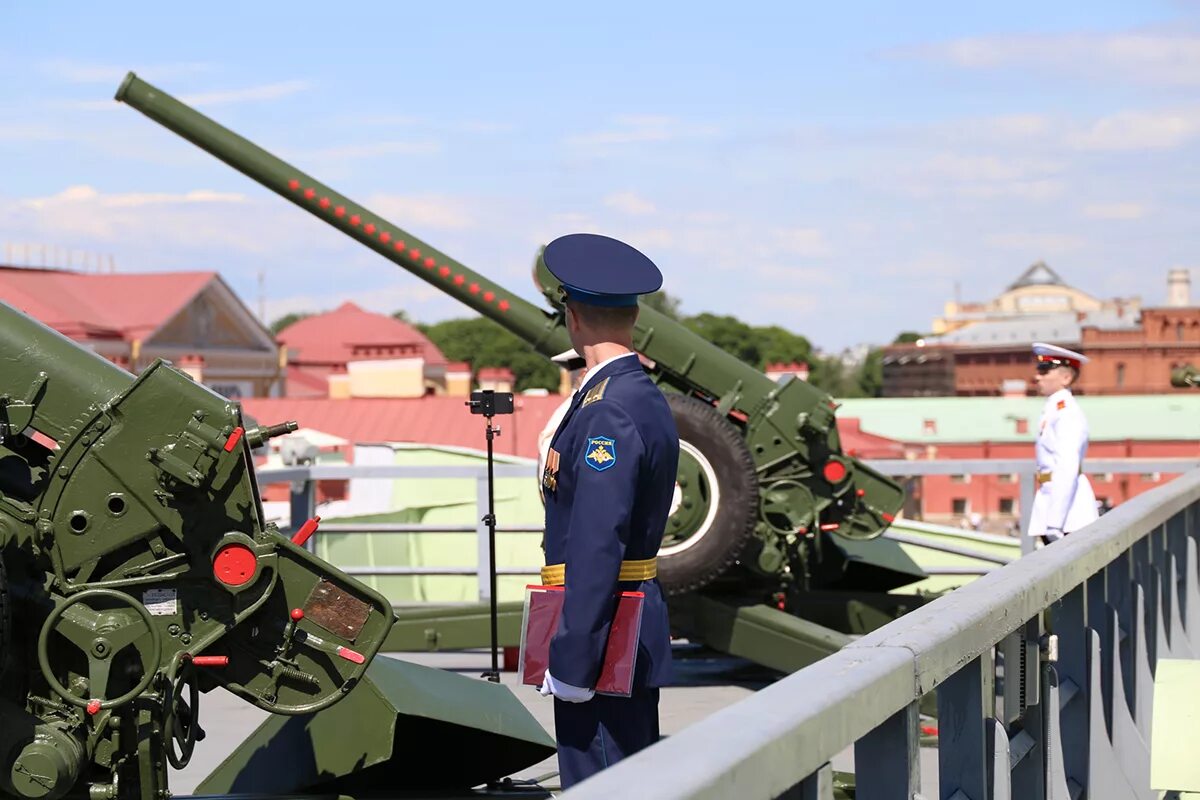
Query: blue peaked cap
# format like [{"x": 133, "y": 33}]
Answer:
[{"x": 600, "y": 271}]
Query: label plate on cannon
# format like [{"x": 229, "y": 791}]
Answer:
[{"x": 336, "y": 610}]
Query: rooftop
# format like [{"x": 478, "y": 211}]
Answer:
[
  {"x": 91, "y": 306},
  {"x": 339, "y": 336}
]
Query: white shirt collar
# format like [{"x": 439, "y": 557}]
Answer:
[{"x": 594, "y": 371}]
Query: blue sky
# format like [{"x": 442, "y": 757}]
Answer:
[{"x": 834, "y": 170}]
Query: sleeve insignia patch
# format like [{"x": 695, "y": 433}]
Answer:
[
  {"x": 600, "y": 453},
  {"x": 594, "y": 394},
  {"x": 1062, "y": 404}
]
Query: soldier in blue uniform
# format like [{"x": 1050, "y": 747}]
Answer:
[{"x": 608, "y": 482}]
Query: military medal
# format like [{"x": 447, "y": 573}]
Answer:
[{"x": 550, "y": 473}]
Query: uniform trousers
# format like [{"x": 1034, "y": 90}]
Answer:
[{"x": 602, "y": 731}]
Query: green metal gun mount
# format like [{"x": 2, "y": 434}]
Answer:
[
  {"x": 770, "y": 507},
  {"x": 137, "y": 570},
  {"x": 1186, "y": 376}
]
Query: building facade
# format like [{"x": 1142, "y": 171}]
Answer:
[{"x": 1132, "y": 349}]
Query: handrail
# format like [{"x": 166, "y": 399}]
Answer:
[{"x": 787, "y": 733}]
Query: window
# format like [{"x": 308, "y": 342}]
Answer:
[
  {"x": 1153, "y": 477},
  {"x": 1120, "y": 375},
  {"x": 960, "y": 478},
  {"x": 1008, "y": 477},
  {"x": 1179, "y": 331},
  {"x": 1007, "y": 506},
  {"x": 959, "y": 505},
  {"x": 930, "y": 426}
]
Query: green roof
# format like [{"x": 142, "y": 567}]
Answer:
[{"x": 1149, "y": 417}]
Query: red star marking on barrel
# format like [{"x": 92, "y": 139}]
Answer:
[
  {"x": 310, "y": 193},
  {"x": 293, "y": 184},
  {"x": 385, "y": 237},
  {"x": 414, "y": 254},
  {"x": 369, "y": 229},
  {"x": 489, "y": 296},
  {"x": 429, "y": 262},
  {"x": 473, "y": 288},
  {"x": 355, "y": 220},
  {"x": 444, "y": 271},
  {"x": 503, "y": 305},
  {"x": 339, "y": 212},
  {"x": 459, "y": 280},
  {"x": 399, "y": 247},
  {"x": 324, "y": 202}
]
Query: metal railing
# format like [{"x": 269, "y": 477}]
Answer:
[
  {"x": 1043, "y": 671},
  {"x": 304, "y": 503}
]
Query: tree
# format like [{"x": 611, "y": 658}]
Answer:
[
  {"x": 483, "y": 343},
  {"x": 730, "y": 334},
  {"x": 288, "y": 319},
  {"x": 908, "y": 337},
  {"x": 402, "y": 315},
  {"x": 780, "y": 345},
  {"x": 663, "y": 303}
]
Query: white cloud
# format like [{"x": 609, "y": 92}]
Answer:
[
  {"x": 1159, "y": 59},
  {"x": 804, "y": 242},
  {"x": 250, "y": 94},
  {"x": 1035, "y": 243},
  {"x": 372, "y": 150},
  {"x": 985, "y": 176},
  {"x": 638, "y": 129},
  {"x": 970, "y": 168},
  {"x": 71, "y": 71},
  {"x": 629, "y": 203},
  {"x": 439, "y": 212},
  {"x": 1138, "y": 130},
  {"x": 1114, "y": 211},
  {"x": 81, "y": 195}
]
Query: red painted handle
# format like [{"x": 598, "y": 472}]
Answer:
[
  {"x": 306, "y": 531},
  {"x": 211, "y": 661}
]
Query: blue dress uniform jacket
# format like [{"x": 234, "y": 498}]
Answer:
[{"x": 618, "y": 451}]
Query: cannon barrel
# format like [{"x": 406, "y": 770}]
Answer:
[
  {"x": 1185, "y": 376},
  {"x": 763, "y": 480}
]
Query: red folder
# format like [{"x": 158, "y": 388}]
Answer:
[{"x": 543, "y": 607}]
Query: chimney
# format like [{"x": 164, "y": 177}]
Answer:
[{"x": 1179, "y": 288}]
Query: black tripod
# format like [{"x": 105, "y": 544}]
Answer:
[{"x": 489, "y": 403}]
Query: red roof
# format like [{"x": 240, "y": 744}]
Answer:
[
  {"x": 350, "y": 333},
  {"x": 440, "y": 420},
  {"x": 98, "y": 306}
]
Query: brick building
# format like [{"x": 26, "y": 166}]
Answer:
[{"x": 1132, "y": 349}]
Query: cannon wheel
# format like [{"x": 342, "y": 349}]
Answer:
[{"x": 715, "y": 507}]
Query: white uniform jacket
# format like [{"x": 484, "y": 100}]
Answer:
[{"x": 1065, "y": 502}]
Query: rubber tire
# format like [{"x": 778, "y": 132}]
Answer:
[{"x": 724, "y": 446}]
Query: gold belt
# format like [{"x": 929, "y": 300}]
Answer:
[
  {"x": 1044, "y": 477},
  {"x": 643, "y": 570}
]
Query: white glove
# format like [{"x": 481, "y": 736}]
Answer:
[{"x": 564, "y": 691}]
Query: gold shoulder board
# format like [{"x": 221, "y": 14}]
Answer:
[{"x": 595, "y": 393}]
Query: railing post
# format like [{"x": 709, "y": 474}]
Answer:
[
  {"x": 893, "y": 752},
  {"x": 966, "y": 703},
  {"x": 481, "y": 537},
  {"x": 1025, "y": 479},
  {"x": 303, "y": 506},
  {"x": 1069, "y": 624}
]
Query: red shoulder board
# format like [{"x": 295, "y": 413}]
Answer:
[{"x": 1062, "y": 404}]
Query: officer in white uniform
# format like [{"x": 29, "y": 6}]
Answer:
[{"x": 1064, "y": 501}]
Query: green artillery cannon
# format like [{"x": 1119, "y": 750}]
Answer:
[
  {"x": 1185, "y": 376},
  {"x": 137, "y": 570},
  {"x": 763, "y": 481}
]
